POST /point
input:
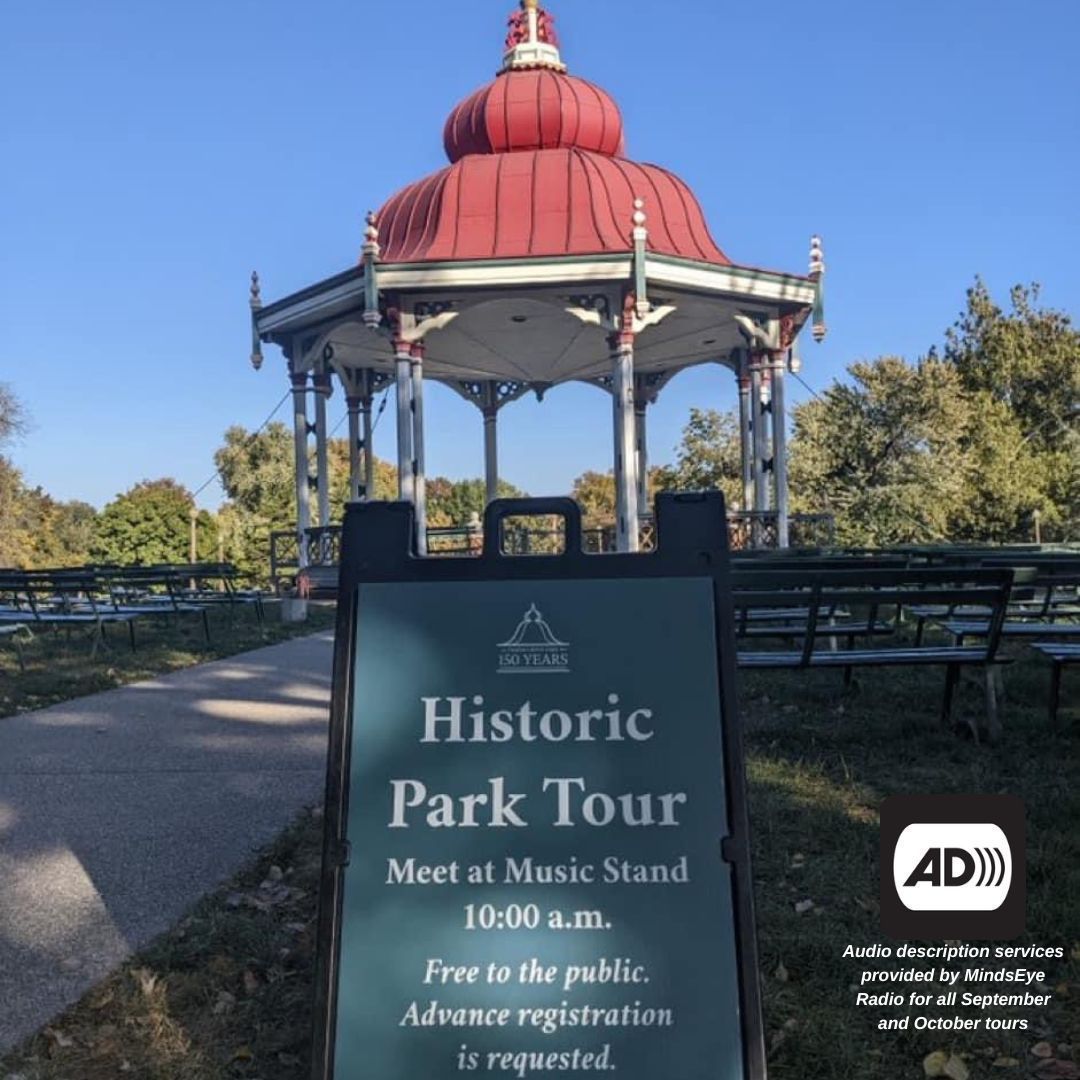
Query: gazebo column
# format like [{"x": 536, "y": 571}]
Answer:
[
  {"x": 353, "y": 405},
  {"x": 761, "y": 448},
  {"x": 779, "y": 455},
  {"x": 323, "y": 390},
  {"x": 403, "y": 391},
  {"x": 419, "y": 478},
  {"x": 491, "y": 440},
  {"x": 303, "y": 478},
  {"x": 368, "y": 429},
  {"x": 641, "y": 405},
  {"x": 746, "y": 452},
  {"x": 626, "y": 485}
]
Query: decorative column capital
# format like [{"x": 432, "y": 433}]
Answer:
[
  {"x": 322, "y": 383},
  {"x": 299, "y": 380}
]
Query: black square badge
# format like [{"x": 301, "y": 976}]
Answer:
[{"x": 953, "y": 866}]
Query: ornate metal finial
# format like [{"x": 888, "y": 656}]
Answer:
[
  {"x": 817, "y": 275},
  {"x": 256, "y": 306},
  {"x": 370, "y": 262},
  {"x": 532, "y": 41},
  {"x": 640, "y": 235},
  {"x": 371, "y": 236}
]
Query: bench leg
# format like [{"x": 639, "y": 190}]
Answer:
[
  {"x": 1055, "y": 691},
  {"x": 131, "y": 633},
  {"x": 952, "y": 674},
  {"x": 919, "y": 632},
  {"x": 19, "y": 651},
  {"x": 206, "y": 624},
  {"x": 993, "y": 715}
]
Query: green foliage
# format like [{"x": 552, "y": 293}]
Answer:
[
  {"x": 594, "y": 492},
  {"x": 453, "y": 503},
  {"x": 1028, "y": 359},
  {"x": 883, "y": 453},
  {"x": 257, "y": 472},
  {"x": 148, "y": 524},
  {"x": 969, "y": 447},
  {"x": 708, "y": 457}
]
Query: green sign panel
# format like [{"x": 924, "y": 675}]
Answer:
[{"x": 536, "y": 883}]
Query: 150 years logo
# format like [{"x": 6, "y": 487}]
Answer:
[
  {"x": 952, "y": 866},
  {"x": 533, "y": 649}
]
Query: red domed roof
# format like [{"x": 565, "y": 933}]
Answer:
[
  {"x": 534, "y": 110},
  {"x": 537, "y": 170},
  {"x": 542, "y": 202}
]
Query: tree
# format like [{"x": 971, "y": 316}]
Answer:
[
  {"x": 1027, "y": 362},
  {"x": 708, "y": 457},
  {"x": 13, "y": 420},
  {"x": 257, "y": 473},
  {"x": 908, "y": 454},
  {"x": 74, "y": 526},
  {"x": 884, "y": 453},
  {"x": 453, "y": 503},
  {"x": 594, "y": 492},
  {"x": 1028, "y": 359},
  {"x": 150, "y": 523}
]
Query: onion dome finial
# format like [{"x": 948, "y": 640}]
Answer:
[{"x": 532, "y": 41}]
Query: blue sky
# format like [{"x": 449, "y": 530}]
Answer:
[{"x": 154, "y": 154}]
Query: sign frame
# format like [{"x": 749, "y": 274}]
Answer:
[{"x": 377, "y": 547}]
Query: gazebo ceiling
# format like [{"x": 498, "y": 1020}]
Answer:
[{"x": 530, "y": 340}]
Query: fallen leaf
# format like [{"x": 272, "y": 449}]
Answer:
[
  {"x": 242, "y": 1053},
  {"x": 1005, "y": 1063},
  {"x": 782, "y": 972},
  {"x": 1074, "y": 952},
  {"x": 934, "y": 1064},
  {"x": 955, "y": 1069},
  {"x": 866, "y": 905},
  {"x": 275, "y": 873},
  {"x": 251, "y": 982},
  {"x": 59, "y": 1038},
  {"x": 146, "y": 980},
  {"x": 1043, "y": 1050},
  {"x": 803, "y": 906},
  {"x": 225, "y": 1001}
]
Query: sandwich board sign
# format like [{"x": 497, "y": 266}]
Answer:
[{"x": 536, "y": 858}]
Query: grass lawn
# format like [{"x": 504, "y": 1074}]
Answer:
[
  {"x": 59, "y": 667},
  {"x": 226, "y": 994}
]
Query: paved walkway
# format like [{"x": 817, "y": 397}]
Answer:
[{"x": 118, "y": 811}]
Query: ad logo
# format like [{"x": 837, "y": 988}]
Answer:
[
  {"x": 533, "y": 649},
  {"x": 952, "y": 866}
]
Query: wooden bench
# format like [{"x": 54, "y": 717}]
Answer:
[
  {"x": 138, "y": 591},
  {"x": 214, "y": 584},
  {"x": 1060, "y": 656},
  {"x": 1047, "y": 594},
  {"x": 59, "y": 599},
  {"x": 870, "y": 592}
]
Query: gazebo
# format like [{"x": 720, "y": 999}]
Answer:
[{"x": 539, "y": 255}]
